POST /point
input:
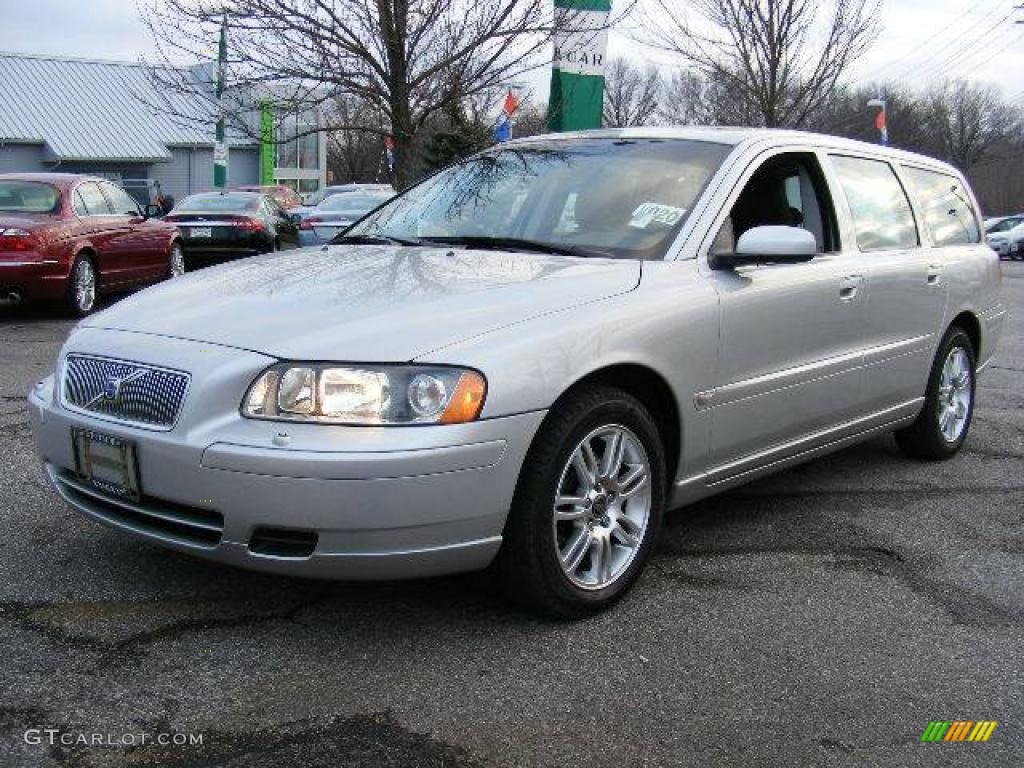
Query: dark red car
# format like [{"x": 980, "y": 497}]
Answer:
[{"x": 70, "y": 237}]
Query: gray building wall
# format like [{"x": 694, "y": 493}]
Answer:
[
  {"x": 191, "y": 170},
  {"x": 21, "y": 158}
]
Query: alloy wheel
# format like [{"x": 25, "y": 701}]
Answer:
[
  {"x": 602, "y": 507},
  {"x": 84, "y": 285},
  {"x": 177, "y": 261},
  {"x": 955, "y": 391}
]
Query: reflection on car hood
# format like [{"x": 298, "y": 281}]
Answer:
[{"x": 368, "y": 303}]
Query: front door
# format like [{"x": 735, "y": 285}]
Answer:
[{"x": 790, "y": 334}]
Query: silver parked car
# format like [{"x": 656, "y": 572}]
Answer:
[{"x": 529, "y": 357}]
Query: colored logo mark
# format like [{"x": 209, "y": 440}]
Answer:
[{"x": 958, "y": 730}]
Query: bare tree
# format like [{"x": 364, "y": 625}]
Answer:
[
  {"x": 970, "y": 122},
  {"x": 631, "y": 94},
  {"x": 408, "y": 59},
  {"x": 354, "y": 150},
  {"x": 777, "y": 56}
]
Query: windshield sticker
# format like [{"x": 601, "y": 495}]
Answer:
[{"x": 655, "y": 213}]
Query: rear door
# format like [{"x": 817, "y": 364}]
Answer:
[
  {"x": 790, "y": 334},
  {"x": 906, "y": 290},
  {"x": 96, "y": 224},
  {"x": 141, "y": 246}
]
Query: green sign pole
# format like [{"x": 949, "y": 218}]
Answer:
[
  {"x": 220, "y": 146},
  {"x": 577, "y": 74},
  {"x": 266, "y": 143}
]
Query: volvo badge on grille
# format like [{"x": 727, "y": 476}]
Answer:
[{"x": 111, "y": 391}]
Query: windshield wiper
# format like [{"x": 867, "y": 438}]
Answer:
[
  {"x": 517, "y": 244},
  {"x": 343, "y": 239}
]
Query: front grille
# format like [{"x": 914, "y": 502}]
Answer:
[
  {"x": 164, "y": 519},
  {"x": 124, "y": 391}
]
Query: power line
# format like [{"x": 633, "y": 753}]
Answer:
[
  {"x": 934, "y": 36},
  {"x": 942, "y": 55},
  {"x": 930, "y": 70}
]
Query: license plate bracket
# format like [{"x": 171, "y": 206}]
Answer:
[
  {"x": 108, "y": 463},
  {"x": 204, "y": 232}
]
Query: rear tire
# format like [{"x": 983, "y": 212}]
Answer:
[
  {"x": 81, "y": 295},
  {"x": 583, "y": 521},
  {"x": 941, "y": 428}
]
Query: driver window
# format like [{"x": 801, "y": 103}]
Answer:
[{"x": 788, "y": 190}]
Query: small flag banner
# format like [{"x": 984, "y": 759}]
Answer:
[
  {"x": 958, "y": 730},
  {"x": 577, "y": 74}
]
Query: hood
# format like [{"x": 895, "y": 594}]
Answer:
[{"x": 365, "y": 303}]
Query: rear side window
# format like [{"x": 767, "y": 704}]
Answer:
[
  {"x": 123, "y": 202},
  {"x": 947, "y": 208},
  {"x": 881, "y": 211},
  {"x": 92, "y": 200}
]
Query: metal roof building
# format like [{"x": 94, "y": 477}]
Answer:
[{"x": 112, "y": 119}]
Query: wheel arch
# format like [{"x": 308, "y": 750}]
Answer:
[
  {"x": 970, "y": 324},
  {"x": 86, "y": 250},
  {"x": 653, "y": 391}
]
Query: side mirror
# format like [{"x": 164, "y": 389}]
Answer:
[
  {"x": 295, "y": 218},
  {"x": 769, "y": 245},
  {"x": 152, "y": 210}
]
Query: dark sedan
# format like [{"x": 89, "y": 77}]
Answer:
[{"x": 222, "y": 225}]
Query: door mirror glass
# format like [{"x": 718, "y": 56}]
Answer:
[
  {"x": 153, "y": 210},
  {"x": 769, "y": 244}
]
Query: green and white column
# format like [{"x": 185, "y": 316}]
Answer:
[
  {"x": 220, "y": 146},
  {"x": 577, "y": 75},
  {"x": 267, "y": 144}
]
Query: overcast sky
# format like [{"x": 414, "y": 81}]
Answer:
[{"x": 922, "y": 40}]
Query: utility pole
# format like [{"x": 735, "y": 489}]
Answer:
[{"x": 220, "y": 146}]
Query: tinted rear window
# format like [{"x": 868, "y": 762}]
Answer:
[
  {"x": 28, "y": 196},
  {"x": 947, "y": 208},
  {"x": 218, "y": 204},
  {"x": 881, "y": 211}
]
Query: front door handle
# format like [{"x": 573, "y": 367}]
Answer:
[
  {"x": 849, "y": 287},
  {"x": 934, "y": 274}
]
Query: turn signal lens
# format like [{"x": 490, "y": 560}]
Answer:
[{"x": 467, "y": 399}]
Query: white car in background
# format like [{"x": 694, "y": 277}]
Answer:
[{"x": 1001, "y": 234}]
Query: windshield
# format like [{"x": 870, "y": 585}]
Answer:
[
  {"x": 28, "y": 197},
  {"x": 352, "y": 203},
  {"x": 625, "y": 198},
  {"x": 216, "y": 203},
  {"x": 1005, "y": 225}
]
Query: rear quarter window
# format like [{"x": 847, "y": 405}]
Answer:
[
  {"x": 882, "y": 216},
  {"x": 945, "y": 205}
]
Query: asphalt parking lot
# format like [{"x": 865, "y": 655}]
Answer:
[{"x": 820, "y": 617}]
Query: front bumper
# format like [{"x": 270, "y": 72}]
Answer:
[{"x": 382, "y": 503}]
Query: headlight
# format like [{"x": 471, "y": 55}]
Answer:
[{"x": 395, "y": 394}]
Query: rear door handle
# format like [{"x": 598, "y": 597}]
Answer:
[
  {"x": 934, "y": 274},
  {"x": 849, "y": 287}
]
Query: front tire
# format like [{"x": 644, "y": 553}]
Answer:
[
  {"x": 81, "y": 297},
  {"x": 941, "y": 428},
  {"x": 176, "y": 261},
  {"x": 587, "y": 508}
]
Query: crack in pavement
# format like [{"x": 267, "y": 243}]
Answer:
[
  {"x": 361, "y": 740},
  {"x": 33, "y": 618},
  {"x": 964, "y": 606}
]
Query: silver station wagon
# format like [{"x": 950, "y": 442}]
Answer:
[{"x": 525, "y": 360}]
